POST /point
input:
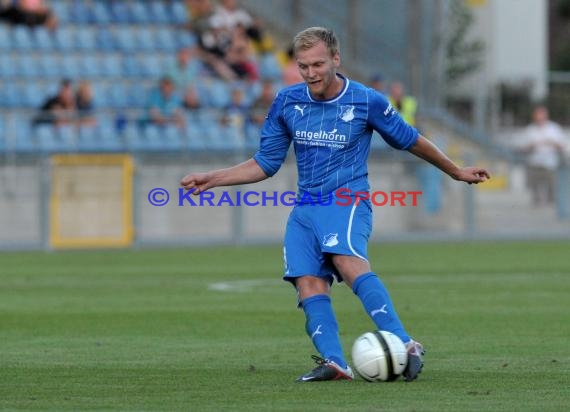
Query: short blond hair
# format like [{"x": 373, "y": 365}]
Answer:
[{"x": 307, "y": 38}]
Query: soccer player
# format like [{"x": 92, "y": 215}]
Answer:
[{"x": 329, "y": 119}]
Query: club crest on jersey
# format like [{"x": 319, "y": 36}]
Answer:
[
  {"x": 330, "y": 240},
  {"x": 346, "y": 113}
]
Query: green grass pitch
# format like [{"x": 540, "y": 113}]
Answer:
[{"x": 211, "y": 329}]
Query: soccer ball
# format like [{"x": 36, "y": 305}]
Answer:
[{"x": 379, "y": 356}]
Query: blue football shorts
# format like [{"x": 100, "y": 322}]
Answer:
[{"x": 315, "y": 232}]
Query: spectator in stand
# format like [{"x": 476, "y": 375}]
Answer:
[
  {"x": 261, "y": 105},
  {"x": 84, "y": 104},
  {"x": 59, "y": 109},
  {"x": 191, "y": 101},
  {"x": 545, "y": 145},
  {"x": 237, "y": 111},
  {"x": 165, "y": 105},
  {"x": 186, "y": 69},
  {"x": 31, "y": 13},
  {"x": 291, "y": 73},
  {"x": 240, "y": 56},
  {"x": 406, "y": 105}
]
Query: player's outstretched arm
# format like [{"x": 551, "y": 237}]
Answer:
[
  {"x": 243, "y": 173},
  {"x": 426, "y": 150}
]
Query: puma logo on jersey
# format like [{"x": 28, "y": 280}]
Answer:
[
  {"x": 301, "y": 109},
  {"x": 377, "y": 311}
]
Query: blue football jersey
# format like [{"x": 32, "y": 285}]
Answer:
[{"x": 331, "y": 138}]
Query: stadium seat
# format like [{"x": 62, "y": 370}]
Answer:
[
  {"x": 7, "y": 67},
  {"x": 101, "y": 13},
  {"x": 118, "y": 96},
  {"x": 49, "y": 65},
  {"x": 185, "y": 38},
  {"x": 125, "y": 39},
  {"x": 22, "y": 38},
  {"x": 65, "y": 39},
  {"x": 137, "y": 96},
  {"x": 218, "y": 93},
  {"x": 151, "y": 65},
  {"x": 10, "y": 95},
  {"x": 105, "y": 40},
  {"x": 89, "y": 66},
  {"x": 120, "y": 12},
  {"x": 5, "y": 38},
  {"x": 178, "y": 12},
  {"x": 61, "y": 10},
  {"x": 86, "y": 39},
  {"x": 43, "y": 39},
  {"x": 132, "y": 67},
  {"x": 27, "y": 66},
  {"x": 269, "y": 67},
  {"x": 158, "y": 12},
  {"x": 139, "y": 14},
  {"x": 111, "y": 65},
  {"x": 70, "y": 66},
  {"x": 24, "y": 136},
  {"x": 165, "y": 39},
  {"x": 80, "y": 12},
  {"x": 144, "y": 39},
  {"x": 32, "y": 94},
  {"x": 46, "y": 137}
]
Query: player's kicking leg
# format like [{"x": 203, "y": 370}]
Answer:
[{"x": 322, "y": 328}]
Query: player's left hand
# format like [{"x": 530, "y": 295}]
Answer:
[{"x": 472, "y": 175}]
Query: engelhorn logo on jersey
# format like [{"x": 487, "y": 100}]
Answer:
[
  {"x": 330, "y": 240},
  {"x": 320, "y": 135},
  {"x": 346, "y": 113}
]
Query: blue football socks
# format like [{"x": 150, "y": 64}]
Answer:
[
  {"x": 377, "y": 303},
  {"x": 322, "y": 328}
]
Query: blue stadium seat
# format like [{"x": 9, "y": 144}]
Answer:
[
  {"x": 101, "y": 13},
  {"x": 151, "y": 65},
  {"x": 111, "y": 65},
  {"x": 24, "y": 136},
  {"x": 49, "y": 65},
  {"x": 7, "y": 67},
  {"x": 22, "y": 38},
  {"x": 43, "y": 39},
  {"x": 32, "y": 95},
  {"x": 144, "y": 39},
  {"x": 185, "y": 39},
  {"x": 27, "y": 66},
  {"x": 86, "y": 39},
  {"x": 105, "y": 39},
  {"x": 178, "y": 12},
  {"x": 158, "y": 12},
  {"x": 90, "y": 66},
  {"x": 137, "y": 96},
  {"x": 65, "y": 39},
  {"x": 120, "y": 12},
  {"x": 269, "y": 67},
  {"x": 10, "y": 96},
  {"x": 170, "y": 138},
  {"x": 118, "y": 96},
  {"x": 5, "y": 38},
  {"x": 139, "y": 14},
  {"x": 61, "y": 10},
  {"x": 165, "y": 39},
  {"x": 132, "y": 67},
  {"x": 80, "y": 12},
  {"x": 218, "y": 93},
  {"x": 46, "y": 137},
  {"x": 66, "y": 138},
  {"x": 70, "y": 66},
  {"x": 125, "y": 39}
]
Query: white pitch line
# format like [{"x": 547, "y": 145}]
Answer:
[{"x": 245, "y": 285}]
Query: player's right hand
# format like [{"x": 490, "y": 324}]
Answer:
[{"x": 200, "y": 182}]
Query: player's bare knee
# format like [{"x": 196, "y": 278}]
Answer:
[
  {"x": 309, "y": 286},
  {"x": 350, "y": 267}
]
